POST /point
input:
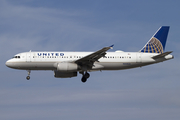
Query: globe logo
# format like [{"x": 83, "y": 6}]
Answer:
[{"x": 153, "y": 46}]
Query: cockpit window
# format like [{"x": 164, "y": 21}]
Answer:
[{"x": 16, "y": 57}]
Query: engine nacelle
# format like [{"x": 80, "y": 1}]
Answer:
[
  {"x": 67, "y": 67},
  {"x": 58, "y": 74}
]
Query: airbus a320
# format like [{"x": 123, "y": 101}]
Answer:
[{"x": 69, "y": 64}]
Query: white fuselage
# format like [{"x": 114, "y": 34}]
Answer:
[
  {"x": 68, "y": 64},
  {"x": 112, "y": 60}
]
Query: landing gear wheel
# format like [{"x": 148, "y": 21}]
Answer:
[
  {"x": 87, "y": 75},
  {"x": 28, "y": 77},
  {"x": 84, "y": 79}
]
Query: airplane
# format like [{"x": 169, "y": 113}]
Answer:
[{"x": 68, "y": 64}]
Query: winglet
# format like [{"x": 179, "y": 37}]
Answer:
[{"x": 111, "y": 46}]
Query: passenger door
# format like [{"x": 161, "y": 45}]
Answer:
[{"x": 28, "y": 57}]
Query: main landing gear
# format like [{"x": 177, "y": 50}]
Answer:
[
  {"x": 85, "y": 76},
  {"x": 28, "y": 77}
]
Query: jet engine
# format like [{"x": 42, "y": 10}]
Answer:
[
  {"x": 58, "y": 74},
  {"x": 67, "y": 67}
]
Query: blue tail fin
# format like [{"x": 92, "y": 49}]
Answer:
[{"x": 158, "y": 41}]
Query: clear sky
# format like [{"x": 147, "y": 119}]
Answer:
[{"x": 147, "y": 93}]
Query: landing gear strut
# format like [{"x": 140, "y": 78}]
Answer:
[
  {"x": 85, "y": 77},
  {"x": 28, "y": 77}
]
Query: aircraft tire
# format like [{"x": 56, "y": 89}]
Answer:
[
  {"x": 28, "y": 77},
  {"x": 84, "y": 79},
  {"x": 87, "y": 75}
]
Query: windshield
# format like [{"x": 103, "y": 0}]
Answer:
[{"x": 16, "y": 57}]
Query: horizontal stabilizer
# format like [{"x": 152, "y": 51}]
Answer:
[{"x": 162, "y": 55}]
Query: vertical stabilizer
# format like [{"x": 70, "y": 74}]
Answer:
[{"x": 158, "y": 41}]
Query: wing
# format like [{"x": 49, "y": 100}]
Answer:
[{"x": 91, "y": 58}]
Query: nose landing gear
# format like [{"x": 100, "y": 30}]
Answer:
[{"x": 28, "y": 77}]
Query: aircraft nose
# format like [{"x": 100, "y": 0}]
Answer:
[{"x": 8, "y": 63}]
